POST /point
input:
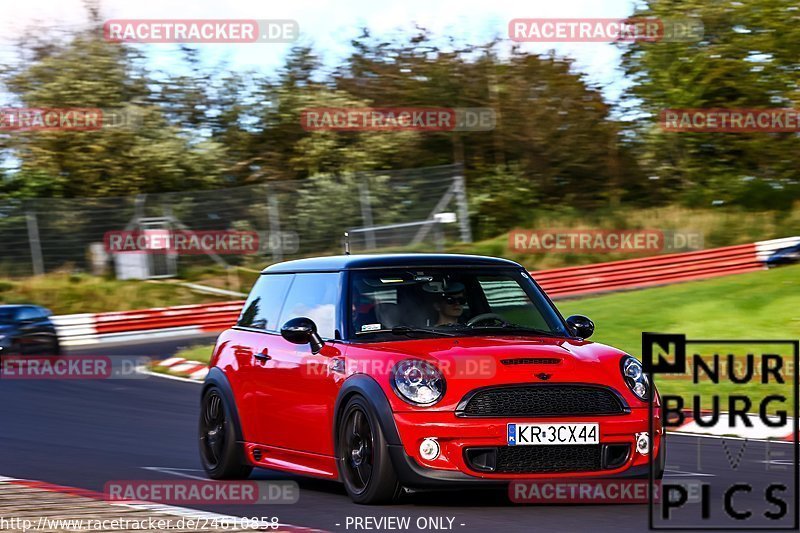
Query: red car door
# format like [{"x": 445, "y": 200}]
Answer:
[
  {"x": 296, "y": 395},
  {"x": 251, "y": 344},
  {"x": 296, "y": 390}
]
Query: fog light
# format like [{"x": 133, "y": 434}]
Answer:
[
  {"x": 643, "y": 443},
  {"x": 429, "y": 449}
]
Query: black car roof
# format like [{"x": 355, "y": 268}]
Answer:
[{"x": 350, "y": 262}]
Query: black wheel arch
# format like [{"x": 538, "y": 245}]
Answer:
[
  {"x": 367, "y": 387},
  {"x": 217, "y": 378}
]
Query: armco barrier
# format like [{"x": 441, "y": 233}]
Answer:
[
  {"x": 648, "y": 271},
  {"x": 187, "y": 320}
]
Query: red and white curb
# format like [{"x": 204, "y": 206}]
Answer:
[{"x": 179, "y": 366}]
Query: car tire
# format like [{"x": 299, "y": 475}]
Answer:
[
  {"x": 220, "y": 453},
  {"x": 362, "y": 457}
]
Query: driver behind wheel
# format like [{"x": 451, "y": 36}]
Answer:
[{"x": 448, "y": 301}]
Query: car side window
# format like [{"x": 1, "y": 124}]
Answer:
[
  {"x": 314, "y": 295},
  {"x": 28, "y": 313},
  {"x": 261, "y": 309}
]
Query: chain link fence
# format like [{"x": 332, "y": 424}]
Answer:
[{"x": 416, "y": 209}]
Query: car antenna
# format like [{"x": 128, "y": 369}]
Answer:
[{"x": 346, "y": 243}]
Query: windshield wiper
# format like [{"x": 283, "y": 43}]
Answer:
[
  {"x": 408, "y": 330},
  {"x": 508, "y": 326}
]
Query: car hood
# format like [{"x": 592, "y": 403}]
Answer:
[
  {"x": 469, "y": 363},
  {"x": 506, "y": 349}
]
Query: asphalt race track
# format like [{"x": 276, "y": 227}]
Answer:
[{"x": 86, "y": 433}]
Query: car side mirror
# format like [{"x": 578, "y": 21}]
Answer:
[
  {"x": 581, "y": 326},
  {"x": 302, "y": 330}
]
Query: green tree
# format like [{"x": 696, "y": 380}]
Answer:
[
  {"x": 746, "y": 58},
  {"x": 146, "y": 154}
]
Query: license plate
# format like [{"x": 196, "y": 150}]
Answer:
[{"x": 529, "y": 434}]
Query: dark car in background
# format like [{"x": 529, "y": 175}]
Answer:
[
  {"x": 27, "y": 329},
  {"x": 784, "y": 256}
]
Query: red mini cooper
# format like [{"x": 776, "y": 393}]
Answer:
[{"x": 420, "y": 371}]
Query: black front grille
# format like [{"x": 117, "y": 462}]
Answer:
[
  {"x": 540, "y": 459},
  {"x": 542, "y": 400}
]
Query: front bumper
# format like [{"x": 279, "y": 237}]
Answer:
[{"x": 457, "y": 435}]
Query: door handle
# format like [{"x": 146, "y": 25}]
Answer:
[{"x": 263, "y": 356}]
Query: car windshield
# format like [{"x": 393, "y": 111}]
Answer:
[{"x": 449, "y": 301}]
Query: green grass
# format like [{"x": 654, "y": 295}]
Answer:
[
  {"x": 200, "y": 352},
  {"x": 196, "y": 352},
  {"x": 80, "y": 293},
  {"x": 235, "y": 278},
  {"x": 760, "y": 305},
  {"x": 756, "y": 305}
]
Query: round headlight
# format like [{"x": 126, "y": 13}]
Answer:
[
  {"x": 418, "y": 382},
  {"x": 633, "y": 369},
  {"x": 634, "y": 377}
]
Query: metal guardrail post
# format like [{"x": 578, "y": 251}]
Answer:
[
  {"x": 33, "y": 240},
  {"x": 366, "y": 212},
  {"x": 463, "y": 208},
  {"x": 440, "y": 205},
  {"x": 275, "y": 235}
]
